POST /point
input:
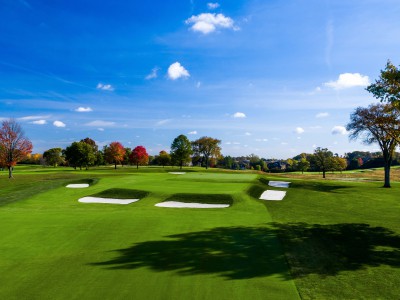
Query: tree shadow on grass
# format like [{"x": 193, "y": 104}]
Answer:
[
  {"x": 232, "y": 252},
  {"x": 248, "y": 252},
  {"x": 329, "y": 249},
  {"x": 318, "y": 186}
]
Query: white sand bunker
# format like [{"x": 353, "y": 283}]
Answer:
[
  {"x": 78, "y": 185},
  {"x": 177, "y": 173},
  {"x": 176, "y": 204},
  {"x": 273, "y": 195},
  {"x": 282, "y": 184},
  {"x": 106, "y": 200}
]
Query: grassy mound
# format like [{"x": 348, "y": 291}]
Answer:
[
  {"x": 121, "y": 194},
  {"x": 89, "y": 181},
  {"x": 202, "y": 198}
]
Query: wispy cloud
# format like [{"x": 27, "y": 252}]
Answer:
[
  {"x": 105, "y": 87},
  {"x": 59, "y": 124},
  {"x": 176, "y": 70},
  {"x": 212, "y": 6},
  {"x": 339, "y": 130},
  {"x": 83, "y": 109},
  {"x": 153, "y": 74},
  {"x": 192, "y": 132},
  {"x": 163, "y": 122},
  {"x": 30, "y": 118},
  {"x": 247, "y": 133},
  {"x": 100, "y": 123},
  {"x": 322, "y": 115},
  {"x": 39, "y": 122},
  {"x": 207, "y": 23},
  {"x": 348, "y": 80},
  {"x": 239, "y": 115}
]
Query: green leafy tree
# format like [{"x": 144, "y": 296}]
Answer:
[
  {"x": 207, "y": 147},
  {"x": 181, "y": 149},
  {"x": 303, "y": 164},
  {"x": 378, "y": 123},
  {"x": 79, "y": 154},
  {"x": 387, "y": 87},
  {"x": 53, "y": 156},
  {"x": 323, "y": 160}
]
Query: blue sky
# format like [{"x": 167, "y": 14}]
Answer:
[{"x": 274, "y": 78}]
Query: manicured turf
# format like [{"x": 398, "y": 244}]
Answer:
[
  {"x": 53, "y": 247},
  {"x": 326, "y": 239}
]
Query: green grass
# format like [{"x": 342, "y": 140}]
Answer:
[
  {"x": 326, "y": 240},
  {"x": 53, "y": 247}
]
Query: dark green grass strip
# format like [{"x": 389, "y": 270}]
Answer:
[
  {"x": 122, "y": 194},
  {"x": 202, "y": 198},
  {"x": 90, "y": 181}
]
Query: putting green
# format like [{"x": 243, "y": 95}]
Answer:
[{"x": 53, "y": 247}]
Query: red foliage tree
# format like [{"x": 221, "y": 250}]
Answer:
[
  {"x": 139, "y": 156},
  {"x": 14, "y": 146},
  {"x": 114, "y": 153}
]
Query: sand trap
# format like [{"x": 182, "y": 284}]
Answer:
[
  {"x": 78, "y": 185},
  {"x": 190, "y": 205},
  {"x": 273, "y": 195},
  {"x": 106, "y": 200},
  {"x": 177, "y": 173},
  {"x": 282, "y": 184}
]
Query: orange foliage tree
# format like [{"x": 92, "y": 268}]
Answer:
[
  {"x": 14, "y": 146},
  {"x": 114, "y": 153}
]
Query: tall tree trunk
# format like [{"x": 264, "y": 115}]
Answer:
[
  {"x": 137, "y": 166},
  {"x": 323, "y": 173},
  {"x": 206, "y": 163},
  {"x": 115, "y": 165},
  {"x": 181, "y": 164},
  {"x": 387, "y": 174},
  {"x": 10, "y": 169}
]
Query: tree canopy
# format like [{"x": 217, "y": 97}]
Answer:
[
  {"x": 181, "y": 149},
  {"x": 14, "y": 146},
  {"x": 207, "y": 147},
  {"x": 114, "y": 153},
  {"x": 139, "y": 156}
]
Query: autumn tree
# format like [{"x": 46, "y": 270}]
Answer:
[
  {"x": 339, "y": 163},
  {"x": 207, "y": 147},
  {"x": 53, "y": 156},
  {"x": 322, "y": 159},
  {"x": 114, "y": 153},
  {"x": 378, "y": 123},
  {"x": 181, "y": 149},
  {"x": 164, "y": 158},
  {"x": 14, "y": 146},
  {"x": 139, "y": 156}
]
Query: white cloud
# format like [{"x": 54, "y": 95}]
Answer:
[
  {"x": 153, "y": 74},
  {"x": 163, "y": 122},
  {"x": 339, "y": 130},
  {"x": 198, "y": 84},
  {"x": 39, "y": 122},
  {"x": 261, "y": 140},
  {"x": 99, "y": 123},
  {"x": 176, "y": 70},
  {"x": 322, "y": 115},
  {"x": 213, "y": 5},
  {"x": 247, "y": 133},
  {"x": 100, "y": 129},
  {"x": 193, "y": 132},
  {"x": 299, "y": 130},
  {"x": 83, "y": 109},
  {"x": 59, "y": 124},
  {"x": 348, "y": 80},
  {"x": 239, "y": 115},
  {"x": 207, "y": 23},
  {"x": 105, "y": 87},
  {"x": 30, "y": 118}
]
